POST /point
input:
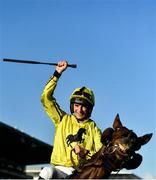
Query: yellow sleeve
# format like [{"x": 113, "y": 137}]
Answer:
[
  {"x": 49, "y": 102},
  {"x": 97, "y": 139}
]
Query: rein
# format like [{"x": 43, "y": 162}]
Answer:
[
  {"x": 77, "y": 168},
  {"x": 74, "y": 165},
  {"x": 108, "y": 154},
  {"x": 110, "y": 151}
]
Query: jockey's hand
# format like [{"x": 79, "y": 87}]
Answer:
[
  {"x": 81, "y": 152},
  {"x": 61, "y": 66}
]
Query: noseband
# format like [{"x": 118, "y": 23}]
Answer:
[{"x": 111, "y": 151}]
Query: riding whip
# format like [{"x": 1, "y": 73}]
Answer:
[{"x": 35, "y": 62}]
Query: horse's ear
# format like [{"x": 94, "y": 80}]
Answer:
[
  {"x": 144, "y": 139},
  {"x": 117, "y": 123}
]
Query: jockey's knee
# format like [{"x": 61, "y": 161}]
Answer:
[{"x": 46, "y": 173}]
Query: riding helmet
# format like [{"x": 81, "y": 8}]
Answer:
[{"x": 84, "y": 96}]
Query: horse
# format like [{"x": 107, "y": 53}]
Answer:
[
  {"x": 77, "y": 137},
  {"x": 117, "y": 152}
]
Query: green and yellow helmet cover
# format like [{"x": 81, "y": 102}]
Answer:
[{"x": 82, "y": 96}]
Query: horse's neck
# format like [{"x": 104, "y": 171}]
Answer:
[
  {"x": 97, "y": 155},
  {"x": 95, "y": 159},
  {"x": 113, "y": 162}
]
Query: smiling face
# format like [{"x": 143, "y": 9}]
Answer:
[{"x": 80, "y": 111}]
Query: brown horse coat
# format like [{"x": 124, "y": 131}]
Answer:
[{"x": 117, "y": 152}]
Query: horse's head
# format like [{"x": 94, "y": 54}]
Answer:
[
  {"x": 123, "y": 143},
  {"x": 118, "y": 151}
]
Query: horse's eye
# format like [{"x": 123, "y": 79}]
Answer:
[{"x": 133, "y": 140}]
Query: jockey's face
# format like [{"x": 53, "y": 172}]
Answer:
[{"x": 80, "y": 111}]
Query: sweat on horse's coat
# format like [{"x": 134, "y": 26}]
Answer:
[{"x": 117, "y": 152}]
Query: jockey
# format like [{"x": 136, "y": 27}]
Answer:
[{"x": 81, "y": 105}]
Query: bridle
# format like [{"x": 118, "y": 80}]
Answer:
[
  {"x": 111, "y": 150},
  {"x": 116, "y": 147},
  {"x": 108, "y": 156}
]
